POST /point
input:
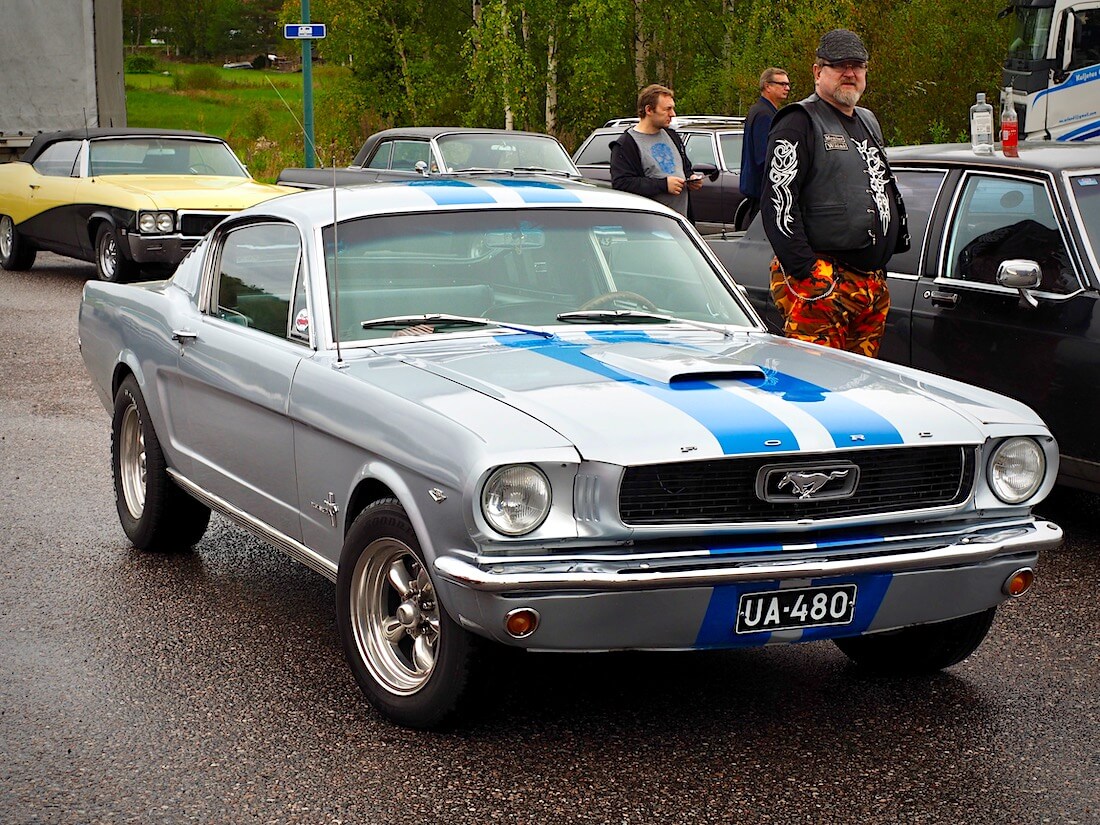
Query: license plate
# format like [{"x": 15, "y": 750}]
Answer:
[{"x": 796, "y": 609}]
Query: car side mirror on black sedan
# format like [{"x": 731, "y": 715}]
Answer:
[
  {"x": 708, "y": 169},
  {"x": 1021, "y": 274}
]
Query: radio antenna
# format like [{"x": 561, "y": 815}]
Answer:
[
  {"x": 301, "y": 128},
  {"x": 335, "y": 265}
]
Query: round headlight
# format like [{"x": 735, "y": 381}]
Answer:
[
  {"x": 166, "y": 221},
  {"x": 516, "y": 499},
  {"x": 1016, "y": 469},
  {"x": 147, "y": 222}
]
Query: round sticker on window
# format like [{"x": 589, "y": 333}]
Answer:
[{"x": 301, "y": 322}]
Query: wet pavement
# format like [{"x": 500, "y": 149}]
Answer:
[{"x": 210, "y": 686}]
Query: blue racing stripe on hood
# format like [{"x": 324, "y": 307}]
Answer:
[
  {"x": 535, "y": 191},
  {"x": 841, "y": 416},
  {"x": 736, "y": 423},
  {"x": 450, "y": 192}
]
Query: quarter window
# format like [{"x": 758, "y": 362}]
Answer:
[
  {"x": 58, "y": 160},
  {"x": 731, "y": 149},
  {"x": 258, "y": 280},
  {"x": 1001, "y": 218}
]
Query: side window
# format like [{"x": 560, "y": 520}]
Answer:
[
  {"x": 258, "y": 267},
  {"x": 597, "y": 152},
  {"x": 1086, "y": 39},
  {"x": 381, "y": 157},
  {"x": 58, "y": 160},
  {"x": 919, "y": 190},
  {"x": 731, "y": 149},
  {"x": 700, "y": 149},
  {"x": 407, "y": 153},
  {"x": 1001, "y": 218}
]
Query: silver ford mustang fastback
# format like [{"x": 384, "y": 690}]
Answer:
[{"x": 540, "y": 414}]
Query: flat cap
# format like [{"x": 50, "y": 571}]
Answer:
[{"x": 841, "y": 44}]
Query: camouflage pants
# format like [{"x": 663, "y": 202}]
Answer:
[{"x": 835, "y": 307}]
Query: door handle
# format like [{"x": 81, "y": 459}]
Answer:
[
  {"x": 942, "y": 299},
  {"x": 34, "y": 186},
  {"x": 183, "y": 336}
]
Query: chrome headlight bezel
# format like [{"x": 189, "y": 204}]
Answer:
[
  {"x": 1016, "y": 469},
  {"x": 516, "y": 499},
  {"x": 156, "y": 223}
]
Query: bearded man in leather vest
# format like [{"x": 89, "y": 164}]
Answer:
[{"x": 831, "y": 207}]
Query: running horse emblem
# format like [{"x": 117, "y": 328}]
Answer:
[{"x": 806, "y": 484}]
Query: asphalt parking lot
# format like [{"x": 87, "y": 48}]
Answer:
[{"x": 210, "y": 686}]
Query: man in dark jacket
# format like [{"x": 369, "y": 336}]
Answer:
[
  {"x": 649, "y": 158},
  {"x": 831, "y": 207},
  {"x": 775, "y": 86}
]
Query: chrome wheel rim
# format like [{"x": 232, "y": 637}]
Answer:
[
  {"x": 7, "y": 236},
  {"x": 131, "y": 461},
  {"x": 394, "y": 616},
  {"x": 108, "y": 257}
]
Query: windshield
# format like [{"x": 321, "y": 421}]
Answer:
[
  {"x": 1029, "y": 42},
  {"x": 163, "y": 156},
  {"x": 1086, "y": 191},
  {"x": 493, "y": 151},
  {"x": 524, "y": 266}
]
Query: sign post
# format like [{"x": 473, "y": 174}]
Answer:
[{"x": 306, "y": 32}]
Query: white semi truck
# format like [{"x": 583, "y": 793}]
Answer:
[
  {"x": 61, "y": 67},
  {"x": 1053, "y": 68}
]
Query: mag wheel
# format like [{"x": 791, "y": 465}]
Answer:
[
  {"x": 110, "y": 263},
  {"x": 16, "y": 253},
  {"x": 410, "y": 659},
  {"x": 154, "y": 512}
]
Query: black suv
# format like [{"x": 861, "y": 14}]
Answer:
[{"x": 709, "y": 140}]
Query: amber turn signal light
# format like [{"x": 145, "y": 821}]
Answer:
[
  {"x": 1019, "y": 582},
  {"x": 522, "y": 622}
]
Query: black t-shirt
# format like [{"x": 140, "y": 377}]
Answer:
[{"x": 780, "y": 200}]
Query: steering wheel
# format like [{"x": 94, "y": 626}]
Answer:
[
  {"x": 609, "y": 300},
  {"x": 202, "y": 169}
]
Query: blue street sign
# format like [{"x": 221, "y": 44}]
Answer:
[{"x": 304, "y": 31}]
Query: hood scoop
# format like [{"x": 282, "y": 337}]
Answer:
[{"x": 673, "y": 365}]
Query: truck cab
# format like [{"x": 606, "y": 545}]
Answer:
[{"x": 1053, "y": 68}]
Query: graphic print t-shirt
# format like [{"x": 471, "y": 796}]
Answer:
[{"x": 660, "y": 159}]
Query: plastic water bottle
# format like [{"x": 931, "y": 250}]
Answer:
[
  {"x": 1010, "y": 127},
  {"x": 981, "y": 126}
]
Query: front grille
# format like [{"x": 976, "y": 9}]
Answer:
[
  {"x": 723, "y": 491},
  {"x": 195, "y": 224}
]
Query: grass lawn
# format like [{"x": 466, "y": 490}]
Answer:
[{"x": 256, "y": 112}]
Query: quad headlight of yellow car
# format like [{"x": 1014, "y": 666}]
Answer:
[{"x": 156, "y": 222}]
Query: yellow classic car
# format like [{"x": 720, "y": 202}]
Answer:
[{"x": 126, "y": 199}]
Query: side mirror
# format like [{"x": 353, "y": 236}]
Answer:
[
  {"x": 1021, "y": 274},
  {"x": 421, "y": 167},
  {"x": 708, "y": 169}
]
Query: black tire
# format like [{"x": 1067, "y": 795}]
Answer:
[
  {"x": 741, "y": 214},
  {"x": 110, "y": 263},
  {"x": 921, "y": 649},
  {"x": 155, "y": 513},
  {"x": 411, "y": 660},
  {"x": 16, "y": 252}
]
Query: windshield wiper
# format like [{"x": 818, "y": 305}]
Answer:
[
  {"x": 542, "y": 170},
  {"x": 483, "y": 170},
  {"x": 444, "y": 320},
  {"x": 633, "y": 316}
]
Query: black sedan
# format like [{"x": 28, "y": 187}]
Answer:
[{"x": 1000, "y": 287}]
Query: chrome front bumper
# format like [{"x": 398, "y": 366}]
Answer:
[{"x": 895, "y": 554}]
